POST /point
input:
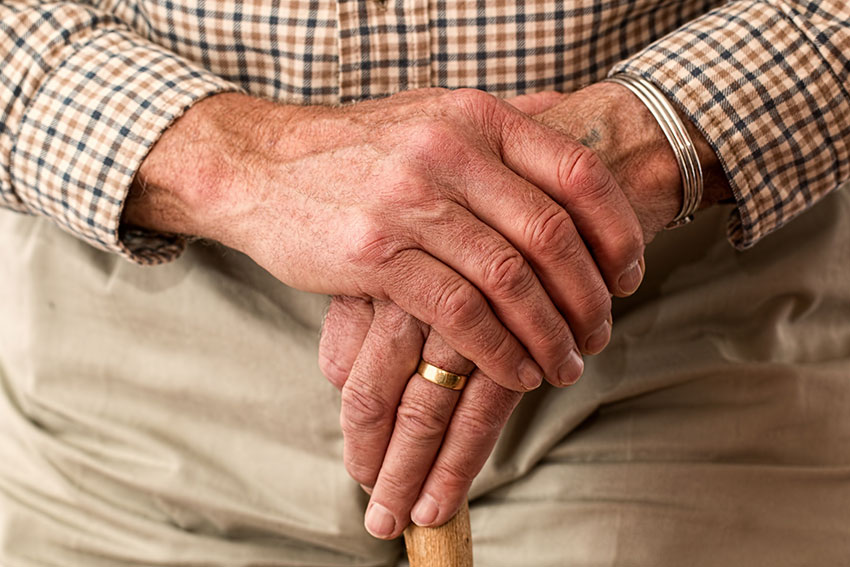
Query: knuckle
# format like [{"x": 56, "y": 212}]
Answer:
[
  {"x": 595, "y": 304},
  {"x": 473, "y": 99},
  {"x": 376, "y": 247},
  {"x": 483, "y": 108},
  {"x": 371, "y": 241},
  {"x": 555, "y": 339},
  {"x": 421, "y": 421},
  {"x": 395, "y": 327},
  {"x": 441, "y": 214},
  {"x": 412, "y": 186},
  {"x": 458, "y": 305},
  {"x": 407, "y": 186},
  {"x": 551, "y": 228},
  {"x": 360, "y": 410},
  {"x": 508, "y": 273},
  {"x": 430, "y": 138},
  {"x": 437, "y": 147},
  {"x": 455, "y": 476},
  {"x": 582, "y": 172},
  {"x": 461, "y": 309},
  {"x": 480, "y": 426},
  {"x": 572, "y": 249}
]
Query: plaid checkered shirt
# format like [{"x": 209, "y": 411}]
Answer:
[{"x": 86, "y": 88}]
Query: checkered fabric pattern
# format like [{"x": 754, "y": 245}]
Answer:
[
  {"x": 767, "y": 83},
  {"x": 87, "y": 87}
]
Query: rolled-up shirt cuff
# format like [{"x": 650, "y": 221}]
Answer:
[
  {"x": 755, "y": 80},
  {"x": 88, "y": 128}
]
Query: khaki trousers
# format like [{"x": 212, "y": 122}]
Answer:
[{"x": 176, "y": 416}]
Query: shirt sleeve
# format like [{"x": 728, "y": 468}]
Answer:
[
  {"x": 767, "y": 84},
  {"x": 82, "y": 100}
]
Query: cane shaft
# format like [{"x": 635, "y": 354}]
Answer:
[{"x": 449, "y": 545}]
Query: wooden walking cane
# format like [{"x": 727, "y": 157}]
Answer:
[{"x": 449, "y": 545}]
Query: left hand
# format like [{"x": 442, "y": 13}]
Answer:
[{"x": 417, "y": 446}]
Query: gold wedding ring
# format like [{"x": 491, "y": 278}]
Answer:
[{"x": 441, "y": 377}]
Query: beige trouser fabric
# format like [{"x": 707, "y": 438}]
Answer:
[{"x": 175, "y": 416}]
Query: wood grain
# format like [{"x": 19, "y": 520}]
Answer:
[{"x": 449, "y": 545}]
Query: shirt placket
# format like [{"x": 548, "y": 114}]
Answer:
[{"x": 384, "y": 47}]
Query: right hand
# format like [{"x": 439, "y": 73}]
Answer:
[{"x": 451, "y": 204}]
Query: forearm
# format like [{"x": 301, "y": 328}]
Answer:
[
  {"x": 195, "y": 179},
  {"x": 190, "y": 182}
]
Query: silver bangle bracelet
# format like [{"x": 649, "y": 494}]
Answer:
[{"x": 677, "y": 135}]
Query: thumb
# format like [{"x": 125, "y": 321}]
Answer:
[{"x": 535, "y": 103}]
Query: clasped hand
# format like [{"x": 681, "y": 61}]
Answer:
[
  {"x": 416, "y": 447},
  {"x": 454, "y": 221}
]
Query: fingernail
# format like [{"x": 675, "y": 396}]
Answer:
[
  {"x": 424, "y": 511},
  {"x": 598, "y": 339},
  {"x": 571, "y": 370},
  {"x": 379, "y": 522},
  {"x": 366, "y": 489},
  {"x": 530, "y": 374},
  {"x": 631, "y": 278}
]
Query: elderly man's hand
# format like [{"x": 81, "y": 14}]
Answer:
[
  {"x": 397, "y": 424},
  {"x": 448, "y": 204},
  {"x": 420, "y": 445}
]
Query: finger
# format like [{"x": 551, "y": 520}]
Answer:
[
  {"x": 543, "y": 231},
  {"x": 343, "y": 331},
  {"x": 422, "y": 418},
  {"x": 575, "y": 177},
  {"x": 535, "y": 103},
  {"x": 438, "y": 296},
  {"x": 371, "y": 395},
  {"x": 506, "y": 278},
  {"x": 478, "y": 419}
]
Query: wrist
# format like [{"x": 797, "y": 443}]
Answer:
[
  {"x": 191, "y": 181},
  {"x": 610, "y": 119}
]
